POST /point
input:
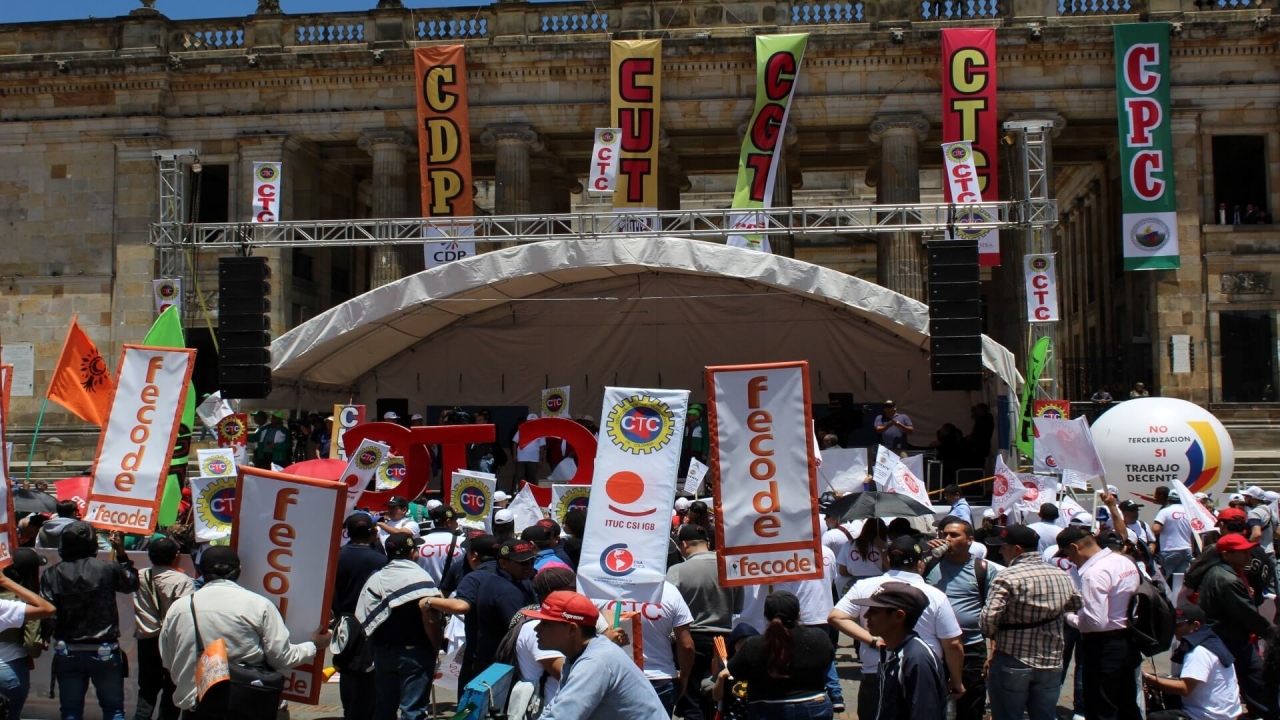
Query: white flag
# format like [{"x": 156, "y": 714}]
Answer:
[
  {"x": 604, "y": 161},
  {"x": 1006, "y": 489},
  {"x": 212, "y": 410},
  {"x": 844, "y": 469},
  {"x": 1037, "y": 490},
  {"x": 524, "y": 509},
  {"x": 1069, "y": 508},
  {"x": 1201, "y": 519},
  {"x": 1067, "y": 444},
  {"x": 898, "y": 478},
  {"x": 693, "y": 479}
]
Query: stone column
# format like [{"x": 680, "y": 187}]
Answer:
[
  {"x": 389, "y": 199},
  {"x": 550, "y": 186},
  {"x": 511, "y": 145},
  {"x": 900, "y": 255},
  {"x": 672, "y": 178}
]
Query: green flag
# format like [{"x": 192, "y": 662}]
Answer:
[
  {"x": 167, "y": 332},
  {"x": 1035, "y": 366}
]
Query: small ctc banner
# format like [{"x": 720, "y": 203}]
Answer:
[
  {"x": 555, "y": 402},
  {"x": 138, "y": 440},
  {"x": 1042, "y": 288},
  {"x": 471, "y": 496},
  {"x": 391, "y": 473},
  {"x": 762, "y": 449},
  {"x": 266, "y": 192},
  {"x": 1052, "y": 409},
  {"x": 969, "y": 114},
  {"x": 345, "y": 417},
  {"x": 567, "y": 497},
  {"x": 624, "y": 546},
  {"x": 604, "y": 162},
  {"x": 217, "y": 463},
  {"x": 361, "y": 468},
  {"x": 168, "y": 292},
  {"x": 287, "y": 530},
  {"x": 215, "y": 504}
]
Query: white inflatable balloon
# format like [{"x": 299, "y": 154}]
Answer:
[{"x": 1146, "y": 442}]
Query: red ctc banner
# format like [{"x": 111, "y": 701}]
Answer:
[{"x": 969, "y": 110}]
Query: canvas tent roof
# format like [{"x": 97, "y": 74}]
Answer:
[{"x": 496, "y": 328}]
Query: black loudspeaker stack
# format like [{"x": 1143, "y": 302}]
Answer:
[
  {"x": 955, "y": 316},
  {"x": 244, "y": 327}
]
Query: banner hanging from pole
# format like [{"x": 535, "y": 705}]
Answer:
[
  {"x": 287, "y": 530},
  {"x": 362, "y": 467},
  {"x": 963, "y": 186},
  {"x": 778, "y": 59},
  {"x": 969, "y": 114},
  {"x": 635, "y": 108},
  {"x": 1035, "y": 367},
  {"x": 604, "y": 161},
  {"x": 137, "y": 443},
  {"x": 624, "y": 546},
  {"x": 444, "y": 151},
  {"x": 1041, "y": 288},
  {"x": 266, "y": 193},
  {"x": 345, "y": 417},
  {"x": 1143, "y": 80},
  {"x": 762, "y": 452},
  {"x": 8, "y": 524}
]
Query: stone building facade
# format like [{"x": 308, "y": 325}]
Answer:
[{"x": 84, "y": 104}]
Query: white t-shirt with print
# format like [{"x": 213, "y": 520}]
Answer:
[
  {"x": 1217, "y": 697},
  {"x": 531, "y": 452},
  {"x": 12, "y": 615},
  {"x": 1175, "y": 531},
  {"x": 406, "y": 523},
  {"x": 814, "y": 597},
  {"x": 857, "y": 565},
  {"x": 434, "y": 551},
  {"x": 658, "y": 622},
  {"x": 835, "y": 538},
  {"x": 937, "y": 623}
]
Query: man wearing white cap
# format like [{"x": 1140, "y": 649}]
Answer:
[
  {"x": 529, "y": 457},
  {"x": 390, "y": 416},
  {"x": 500, "y": 499}
]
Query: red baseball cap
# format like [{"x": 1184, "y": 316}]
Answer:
[
  {"x": 1231, "y": 514},
  {"x": 1234, "y": 542},
  {"x": 566, "y": 606}
]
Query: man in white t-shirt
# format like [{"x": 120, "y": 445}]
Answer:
[
  {"x": 529, "y": 457},
  {"x": 1130, "y": 509},
  {"x": 658, "y": 623},
  {"x": 1047, "y": 528},
  {"x": 396, "y": 520},
  {"x": 1172, "y": 528},
  {"x": 938, "y": 625},
  {"x": 1204, "y": 678},
  {"x": 439, "y": 543}
]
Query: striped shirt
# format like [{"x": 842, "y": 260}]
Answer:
[{"x": 1034, "y": 596}]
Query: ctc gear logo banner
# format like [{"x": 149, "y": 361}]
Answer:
[{"x": 640, "y": 424}]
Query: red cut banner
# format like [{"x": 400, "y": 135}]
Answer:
[{"x": 969, "y": 112}]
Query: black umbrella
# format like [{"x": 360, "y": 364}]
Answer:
[
  {"x": 33, "y": 501},
  {"x": 867, "y": 505}
]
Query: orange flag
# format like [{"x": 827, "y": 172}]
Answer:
[{"x": 81, "y": 382}]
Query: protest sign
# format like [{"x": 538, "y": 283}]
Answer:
[
  {"x": 76, "y": 490},
  {"x": 217, "y": 463},
  {"x": 893, "y": 475},
  {"x": 287, "y": 530},
  {"x": 555, "y": 402},
  {"x": 138, "y": 440},
  {"x": 762, "y": 451},
  {"x": 566, "y": 497},
  {"x": 694, "y": 476},
  {"x": 525, "y": 509},
  {"x": 624, "y": 546},
  {"x": 471, "y": 496},
  {"x": 1006, "y": 488},
  {"x": 362, "y": 466},
  {"x": 844, "y": 469},
  {"x": 214, "y": 506},
  {"x": 1066, "y": 444},
  {"x": 390, "y": 473}
]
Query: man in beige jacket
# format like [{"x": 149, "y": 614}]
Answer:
[{"x": 159, "y": 586}]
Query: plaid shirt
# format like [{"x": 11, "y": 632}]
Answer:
[{"x": 1030, "y": 591}]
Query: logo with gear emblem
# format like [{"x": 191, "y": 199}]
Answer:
[{"x": 640, "y": 424}]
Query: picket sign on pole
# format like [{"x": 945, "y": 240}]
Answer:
[{"x": 471, "y": 496}]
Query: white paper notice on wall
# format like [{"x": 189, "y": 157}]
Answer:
[
  {"x": 22, "y": 356},
  {"x": 1180, "y": 353}
]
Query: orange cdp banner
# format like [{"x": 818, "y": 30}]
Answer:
[
  {"x": 287, "y": 530},
  {"x": 444, "y": 141},
  {"x": 969, "y": 113},
  {"x": 635, "y": 107}
]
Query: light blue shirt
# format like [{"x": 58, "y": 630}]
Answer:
[
  {"x": 603, "y": 683},
  {"x": 960, "y": 584},
  {"x": 962, "y": 510}
]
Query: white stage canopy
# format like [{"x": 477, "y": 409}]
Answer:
[{"x": 496, "y": 328}]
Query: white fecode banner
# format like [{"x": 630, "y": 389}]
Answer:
[
  {"x": 364, "y": 463},
  {"x": 167, "y": 292},
  {"x": 604, "y": 162},
  {"x": 762, "y": 451},
  {"x": 1042, "y": 288},
  {"x": 624, "y": 546},
  {"x": 137, "y": 443},
  {"x": 287, "y": 531},
  {"x": 266, "y": 192},
  {"x": 962, "y": 177},
  {"x": 471, "y": 496}
]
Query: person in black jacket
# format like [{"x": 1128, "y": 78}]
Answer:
[
  {"x": 357, "y": 561},
  {"x": 785, "y": 668},
  {"x": 86, "y": 629},
  {"x": 1232, "y": 521},
  {"x": 912, "y": 681},
  {"x": 1228, "y": 603}
]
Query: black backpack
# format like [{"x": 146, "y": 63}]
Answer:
[{"x": 1151, "y": 618}]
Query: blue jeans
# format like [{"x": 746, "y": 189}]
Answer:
[
  {"x": 666, "y": 690},
  {"x": 402, "y": 681},
  {"x": 76, "y": 669},
  {"x": 1174, "y": 562},
  {"x": 1016, "y": 688},
  {"x": 819, "y": 709},
  {"x": 834, "y": 693},
  {"x": 1073, "y": 646},
  {"x": 15, "y": 683}
]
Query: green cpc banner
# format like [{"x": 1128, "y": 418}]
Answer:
[
  {"x": 1150, "y": 225},
  {"x": 777, "y": 73}
]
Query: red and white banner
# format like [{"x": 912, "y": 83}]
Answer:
[
  {"x": 363, "y": 465},
  {"x": 969, "y": 114},
  {"x": 75, "y": 490},
  {"x": 893, "y": 475},
  {"x": 167, "y": 292},
  {"x": 1037, "y": 490},
  {"x": 628, "y": 532},
  {"x": 963, "y": 186},
  {"x": 1006, "y": 488},
  {"x": 345, "y": 417},
  {"x": 1066, "y": 444},
  {"x": 1042, "y": 288},
  {"x": 1201, "y": 519},
  {"x": 762, "y": 451},
  {"x": 138, "y": 440},
  {"x": 266, "y": 192},
  {"x": 471, "y": 496},
  {"x": 287, "y": 530},
  {"x": 604, "y": 161}
]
